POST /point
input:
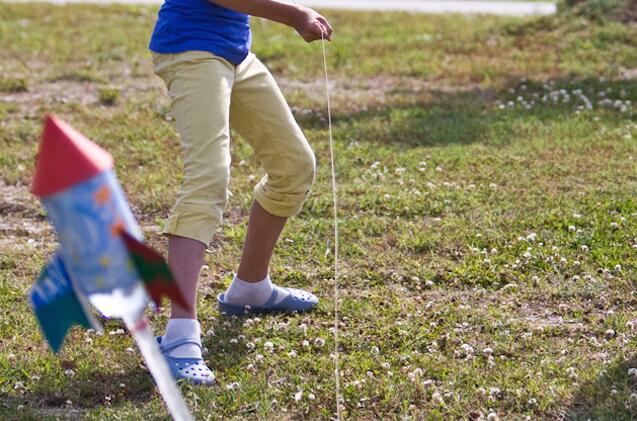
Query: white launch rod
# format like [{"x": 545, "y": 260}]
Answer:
[{"x": 156, "y": 363}]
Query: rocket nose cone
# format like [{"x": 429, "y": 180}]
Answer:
[{"x": 66, "y": 158}]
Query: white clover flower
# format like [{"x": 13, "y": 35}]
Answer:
[
  {"x": 268, "y": 345},
  {"x": 311, "y": 396},
  {"x": 632, "y": 372},
  {"x": 492, "y": 416},
  {"x": 487, "y": 351},
  {"x": 69, "y": 372},
  {"x": 232, "y": 386},
  {"x": 375, "y": 350},
  {"x": 292, "y": 354},
  {"x": 319, "y": 342},
  {"x": 572, "y": 228},
  {"x": 436, "y": 397},
  {"x": 298, "y": 395}
]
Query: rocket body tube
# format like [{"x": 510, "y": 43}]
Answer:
[{"x": 89, "y": 218}]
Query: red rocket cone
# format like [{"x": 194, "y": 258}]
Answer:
[{"x": 66, "y": 158}]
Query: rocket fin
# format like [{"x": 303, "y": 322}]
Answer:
[
  {"x": 56, "y": 305},
  {"x": 154, "y": 271}
]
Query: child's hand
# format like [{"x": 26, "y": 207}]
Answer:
[{"x": 311, "y": 25}]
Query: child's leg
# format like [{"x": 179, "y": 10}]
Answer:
[
  {"x": 185, "y": 258},
  {"x": 200, "y": 86},
  {"x": 261, "y": 115},
  {"x": 263, "y": 232}
]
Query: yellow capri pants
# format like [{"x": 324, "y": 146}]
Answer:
[{"x": 209, "y": 94}]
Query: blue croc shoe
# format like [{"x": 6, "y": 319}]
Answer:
[
  {"x": 296, "y": 301},
  {"x": 192, "y": 370}
]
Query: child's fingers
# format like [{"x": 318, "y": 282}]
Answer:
[
  {"x": 324, "y": 31},
  {"x": 317, "y": 31},
  {"x": 326, "y": 25}
]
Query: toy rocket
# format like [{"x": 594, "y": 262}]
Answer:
[{"x": 102, "y": 260}]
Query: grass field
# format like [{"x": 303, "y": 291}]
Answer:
[{"x": 487, "y": 172}]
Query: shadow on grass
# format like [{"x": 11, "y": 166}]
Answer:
[
  {"x": 468, "y": 116},
  {"x": 92, "y": 389},
  {"x": 608, "y": 397}
]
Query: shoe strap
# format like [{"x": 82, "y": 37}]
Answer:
[
  {"x": 272, "y": 299},
  {"x": 179, "y": 342}
]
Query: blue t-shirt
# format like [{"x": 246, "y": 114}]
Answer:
[{"x": 201, "y": 25}]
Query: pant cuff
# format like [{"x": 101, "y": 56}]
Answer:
[
  {"x": 278, "y": 204},
  {"x": 194, "y": 225}
]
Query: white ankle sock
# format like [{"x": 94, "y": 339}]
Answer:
[
  {"x": 180, "y": 329},
  {"x": 244, "y": 293}
]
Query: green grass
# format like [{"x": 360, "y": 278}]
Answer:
[{"x": 488, "y": 219}]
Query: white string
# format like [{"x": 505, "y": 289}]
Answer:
[
  {"x": 337, "y": 370},
  {"x": 337, "y": 374}
]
